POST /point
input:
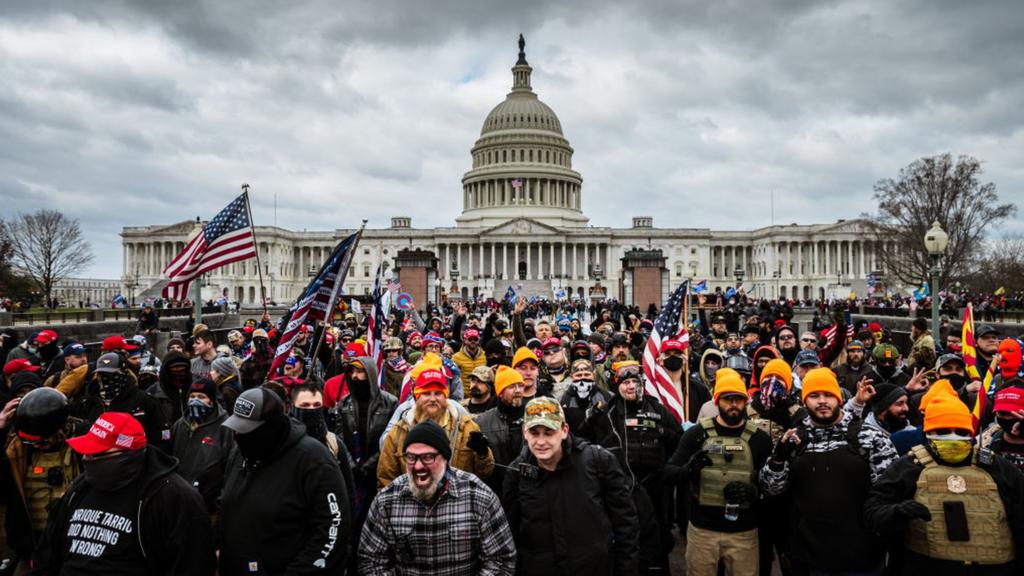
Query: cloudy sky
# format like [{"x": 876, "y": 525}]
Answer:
[{"x": 130, "y": 113}]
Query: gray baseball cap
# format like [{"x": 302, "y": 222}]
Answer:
[
  {"x": 806, "y": 357},
  {"x": 252, "y": 409},
  {"x": 947, "y": 358},
  {"x": 109, "y": 363}
]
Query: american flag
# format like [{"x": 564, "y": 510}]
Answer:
[
  {"x": 517, "y": 183},
  {"x": 225, "y": 239},
  {"x": 666, "y": 326},
  {"x": 376, "y": 324},
  {"x": 316, "y": 300}
]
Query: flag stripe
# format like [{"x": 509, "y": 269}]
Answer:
[{"x": 659, "y": 384}]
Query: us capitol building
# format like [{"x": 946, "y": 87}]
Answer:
[{"x": 522, "y": 223}]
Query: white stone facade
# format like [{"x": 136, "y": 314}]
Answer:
[{"x": 522, "y": 222}]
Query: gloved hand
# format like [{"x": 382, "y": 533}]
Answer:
[
  {"x": 911, "y": 509},
  {"x": 596, "y": 410},
  {"x": 740, "y": 493},
  {"x": 364, "y": 472},
  {"x": 698, "y": 461},
  {"x": 785, "y": 449},
  {"x": 478, "y": 443}
]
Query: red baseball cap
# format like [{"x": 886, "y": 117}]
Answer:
[
  {"x": 430, "y": 379},
  {"x": 45, "y": 337},
  {"x": 20, "y": 365},
  {"x": 1009, "y": 400},
  {"x": 112, "y": 343},
  {"x": 673, "y": 344},
  {"x": 550, "y": 343},
  {"x": 111, "y": 430},
  {"x": 305, "y": 328},
  {"x": 471, "y": 333}
]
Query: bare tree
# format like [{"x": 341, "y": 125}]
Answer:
[
  {"x": 928, "y": 190},
  {"x": 47, "y": 247},
  {"x": 1002, "y": 266}
]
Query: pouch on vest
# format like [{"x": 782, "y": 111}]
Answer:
[{"x": 731, "y": 461}]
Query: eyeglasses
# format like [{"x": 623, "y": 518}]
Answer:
[
  {"x": 427, "y": 458},
  {"x": 552, "y": 351},
  {"x": 808, "y": 339},
  {"x": 471, "y": 340},
  {"x": 785, "y": 337}
]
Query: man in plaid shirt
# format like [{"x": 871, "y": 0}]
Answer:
[{"x": 435, "y": 519}]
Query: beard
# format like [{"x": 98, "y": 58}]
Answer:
[
  {"x": 427, "y": 492},
  {"x": 731, "y": 417},
  {"x": 823, "y": 420},
  {"x": 477, "y": 393},
  {"x": 893, "y": 422}
]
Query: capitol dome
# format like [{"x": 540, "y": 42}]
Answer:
[{"x": 522, "y": 160}]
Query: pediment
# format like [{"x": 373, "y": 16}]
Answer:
[
  {"x": 857, "y": 226},
  {"x": 181, "y": 228},
  {"x": 521, "y": 227}
]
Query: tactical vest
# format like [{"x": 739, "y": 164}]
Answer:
[
  {"x": 49, "y": 474},
  {"x": 989, "y": 539},
  {"x": 644, "y": 450},
  {"x": 731, "y": 460},
  {"x": 773, "y": 430}
]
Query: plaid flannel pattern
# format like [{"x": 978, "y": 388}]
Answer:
[{"x": 464, "y": 532}]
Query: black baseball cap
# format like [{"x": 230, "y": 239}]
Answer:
[
  {"x": 985, "y": 329},
  {"x": 252, "y": 409}
]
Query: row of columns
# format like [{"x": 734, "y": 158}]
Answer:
[
  {"x": 533, "y": 192},
  {"x": 568, "y": 260},
  {"x": 850, "y": 258}
]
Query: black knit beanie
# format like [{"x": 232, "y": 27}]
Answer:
[{"x": 429, "y": 433}]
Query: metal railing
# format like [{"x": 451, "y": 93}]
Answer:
[{"x": 98, "y": 315}]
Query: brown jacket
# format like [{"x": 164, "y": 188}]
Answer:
[
  {"x": 69, "y": 382},
  {"x": 459, "y": 426}
]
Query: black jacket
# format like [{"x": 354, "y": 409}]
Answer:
[
  {"x": 173, "y": 525},
  {"x": 289, "y": 515},
  {"x": 899, "y": 483},
  {"x": 503, "y": 427},
  {"x": 642, "y": 450},
  {"x": 172, "y": 398},
  {"x": 380, "y": 408},
  {"x": 203, "y": 454},
  {"x": 578, "y": 520}
]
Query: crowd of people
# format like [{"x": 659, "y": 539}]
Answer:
[{"x": 517, "y": 438}]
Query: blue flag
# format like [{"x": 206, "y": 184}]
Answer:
[
  {"x": 730, "y": 292},
  {"x": 510, "y": 295},
  {"x": 700, "y": 287},
  {"x": 921, "y": 292}
]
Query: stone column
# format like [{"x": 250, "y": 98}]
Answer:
[{"x": 562, "y": 271}]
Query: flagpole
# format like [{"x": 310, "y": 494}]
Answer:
[
  {"x": 686, "y": 354},
  {"x": 334, "y": 296},
  {"x": 259, "y": 267}
]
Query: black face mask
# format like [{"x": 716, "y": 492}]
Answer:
[
  {"x": 114, "y": 472},
  {"x": 1007, "y": 424},
  {"x": 313, "y": 418},
  {"x": 360, "y": 388},
  {"x": 673, "y": 363},
  {"x": 113, "y": 386},
  {"x": 261, "y": 443},
  {"x": 886, "y": 371},
  {"x": 958, "y": 381}
]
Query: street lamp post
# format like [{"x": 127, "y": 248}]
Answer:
[
  {"x": 627, "y": 298},
  {"x": 739, "y": 273},
  {"x": 437, "y": 292},
  {"x": 935, "y": 241}
]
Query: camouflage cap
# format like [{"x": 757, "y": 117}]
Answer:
[
  {"x": 886, "y": 353},
  {"x": 543, "y": 411}
]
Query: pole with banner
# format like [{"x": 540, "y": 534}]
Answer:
[
  {"x": 686, "y": 355},
  {"x": 197, "y": 299},
  {"x": 334, "y": 300},
  {"x": 259, "y": 267}
]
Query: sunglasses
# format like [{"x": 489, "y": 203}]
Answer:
[
  {"x": 552, "y": 351},
  {"x": 427, "y": 458},
  {"x": 808, "y": 339},
  {"x": 786, "y": 337}
]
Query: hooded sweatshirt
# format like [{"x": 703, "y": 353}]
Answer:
[{"x": 172, "y": 398}]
